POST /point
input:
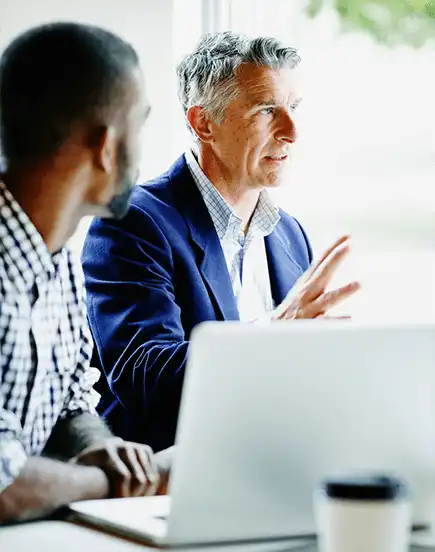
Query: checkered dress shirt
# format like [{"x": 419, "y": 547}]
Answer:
[
  {"x": 45, "y": 345},
  {"x": 245, "y": 256}
]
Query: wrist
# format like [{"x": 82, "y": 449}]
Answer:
[{"x": 96, "y": 483}]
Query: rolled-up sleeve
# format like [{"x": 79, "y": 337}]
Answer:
[
  {"x": 12, "y": 454},
  {"x": 81, "y": 396}
]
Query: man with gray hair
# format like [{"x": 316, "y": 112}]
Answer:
[{"x": 204, "y": 241}]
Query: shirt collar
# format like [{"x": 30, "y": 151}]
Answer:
[
  {"x": 27, "y": 253},
  {"x": 227, "y": 223}
]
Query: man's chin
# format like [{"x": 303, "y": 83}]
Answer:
[
  {"x": 275, "y": 180},
  {"x": 277, "y": 177},
  {"x": 104, "y": 212},
  {"x": 96, "y": 210}
]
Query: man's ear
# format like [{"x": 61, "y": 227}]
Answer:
[
  {"x": 104, "y": 143},
  {"x": 200, "y": 122}
]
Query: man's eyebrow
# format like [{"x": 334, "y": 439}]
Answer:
[{"x": 257, "y": 102}]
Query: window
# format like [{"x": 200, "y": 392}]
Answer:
[{"x": 365, "y": 160}]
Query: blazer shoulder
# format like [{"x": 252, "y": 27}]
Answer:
[
  {"x": 295, "y": 236},
  {"x": 290, "y": 222},
  {"x": 162, "y": 192}
]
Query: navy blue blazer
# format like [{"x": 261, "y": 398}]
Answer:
[{"x": 150, "y": 279}]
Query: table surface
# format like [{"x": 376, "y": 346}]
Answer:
[{"x": 63, "y": 536}]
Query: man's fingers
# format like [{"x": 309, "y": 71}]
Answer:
[
  {"x": 145, "y": 458},
  {"x": 163, "y": 461},
  {"x": 312, "y": 284},
  {"x": 344, "y": 317},
  {"x": 325, "y": 255},
  {"x": 331, "y": 299},
  {"x": 328, "y": 317},
  {"x": 138, "y": 478},
  {"x": 321, "y": 280},
  {"x": 119, "y": 474}
]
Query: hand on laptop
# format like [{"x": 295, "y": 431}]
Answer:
[
  {"x": 309, "y": 298},
  {"x": 163, "y": 461},
  {"x": 130, "y": 467}
]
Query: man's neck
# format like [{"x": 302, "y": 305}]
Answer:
[
  {"x": 53, "y": 211},
  {"x": 242, "y": 199}
]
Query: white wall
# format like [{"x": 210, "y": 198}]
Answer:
[{"x": 147, "y": 24}]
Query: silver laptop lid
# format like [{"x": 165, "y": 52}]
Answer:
[{"x": 269, "y": 410}]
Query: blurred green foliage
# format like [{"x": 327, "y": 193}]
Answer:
[{"x": 390, "y": 22}]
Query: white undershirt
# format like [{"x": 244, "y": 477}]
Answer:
[{"x": 245, "y": 256}]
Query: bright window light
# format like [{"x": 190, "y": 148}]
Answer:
[{"x": 365, "y": 160}]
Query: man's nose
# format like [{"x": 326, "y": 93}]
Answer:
[{"x": 287, "y": 128}]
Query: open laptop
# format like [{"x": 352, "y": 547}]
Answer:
[{"x": 268, "y": 411}]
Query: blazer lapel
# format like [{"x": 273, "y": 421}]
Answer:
[
  {"x": 214, "y": 270},
  {"x": 283, "y": 270},
  {"x": 211, "y": 259}
]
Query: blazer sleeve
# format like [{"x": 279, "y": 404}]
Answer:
[{"x": 132, "y": 311}]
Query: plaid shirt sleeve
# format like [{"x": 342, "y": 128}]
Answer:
[
  {"x": 12, "y": 454},
  {"x": 81, "y": 396}
]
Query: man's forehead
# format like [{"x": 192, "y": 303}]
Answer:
[
  {"x": 135, "y": 85},
  {"x": 139, "y": 107},
  {"x": 141, "y": 103},
  {"x": 257, "y": 83}
]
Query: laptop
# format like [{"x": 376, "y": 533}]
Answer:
[{"x": 268, "y": 411}]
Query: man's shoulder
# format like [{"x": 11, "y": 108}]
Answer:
[
  {"x": 155, "y": 209},
  {"x": 289, "y": 222},
  {"x": 71, "y": 275},
  {"x": 161, "y": 191},
  {"x": 293, "y": 234}
]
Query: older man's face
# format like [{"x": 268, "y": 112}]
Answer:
[{"x": 253, "y": 143}]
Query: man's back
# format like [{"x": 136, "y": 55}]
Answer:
[{"x": 44, "y": 339}]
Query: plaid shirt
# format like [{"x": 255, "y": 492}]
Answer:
[
  {"x": 45, "y": 345},
  {"x": 245, "y": 256}
]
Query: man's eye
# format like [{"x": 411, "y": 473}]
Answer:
[{"x": 267, "y": 111}]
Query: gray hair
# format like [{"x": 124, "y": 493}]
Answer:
[{"x": 207, "y": 76}]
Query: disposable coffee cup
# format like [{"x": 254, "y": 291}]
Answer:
[{"x": 363, "y": 514}]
